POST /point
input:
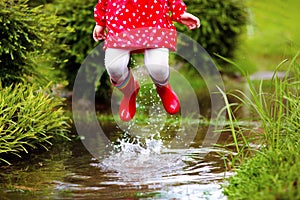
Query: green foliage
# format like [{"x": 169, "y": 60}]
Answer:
[
  {"x": 39, "y": 2},
  {"x": 271, "y": 175},
  {"x": 221, "y": 24},
  {"x": 79, "y": 18},
  {"x": 29, "y": 118},
  {"x": 27, "y": 38},
  {"x": 273, "y": 172}
]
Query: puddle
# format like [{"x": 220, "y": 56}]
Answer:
[{"x": 133, "y": 171}]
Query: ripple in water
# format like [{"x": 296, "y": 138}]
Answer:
[
  {"x": 151, "y": 162},
  {"x": 143, "y": 164},
  {"x": 173, "y": 173}
]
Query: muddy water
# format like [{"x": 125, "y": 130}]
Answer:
[{"x": 133, "y": 171}]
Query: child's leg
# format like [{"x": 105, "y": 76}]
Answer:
[
  {"x": 157, "y": 63},
  {"x": 116, "y": 61}
]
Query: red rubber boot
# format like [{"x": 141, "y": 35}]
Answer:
[
  {"x": 169, "y": 98},
  {"x": 130, "y": 89}
]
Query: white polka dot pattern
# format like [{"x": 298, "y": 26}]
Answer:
[{"x": 139, "y": 24}]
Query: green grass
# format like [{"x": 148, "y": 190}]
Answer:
[
  {"x": 272, "y": 35},
  {"x": 273, "y": 172},
  {"x": 29, "y": 118}
]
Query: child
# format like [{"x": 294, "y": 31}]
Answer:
[{"x": 144, "y": 25}]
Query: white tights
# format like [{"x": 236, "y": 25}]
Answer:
[{"x": 155, "y": 60}]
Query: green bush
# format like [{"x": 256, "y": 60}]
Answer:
[
  {"x": 79, "y": 17},
  {"x": 28, "y": 37},
  {"x": 29, "y": 117},
  {"x": 221, "y": 24},
  {"x": 39, "y": 2}
]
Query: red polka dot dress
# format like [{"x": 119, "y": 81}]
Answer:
[{"x": 139, "y": 24}]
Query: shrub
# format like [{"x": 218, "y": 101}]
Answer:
[
  {"x": 79, "y": 17},
  {"x": 27, "y": 38},
  {"x": 221, "y": 24},
  {"x": 39, "y": 2},
  {"x": 29, "y": 118}
]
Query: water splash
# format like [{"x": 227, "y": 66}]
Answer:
[
  {"x": 148, "y": 164},
  {"x": 142, "y": 163}
]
